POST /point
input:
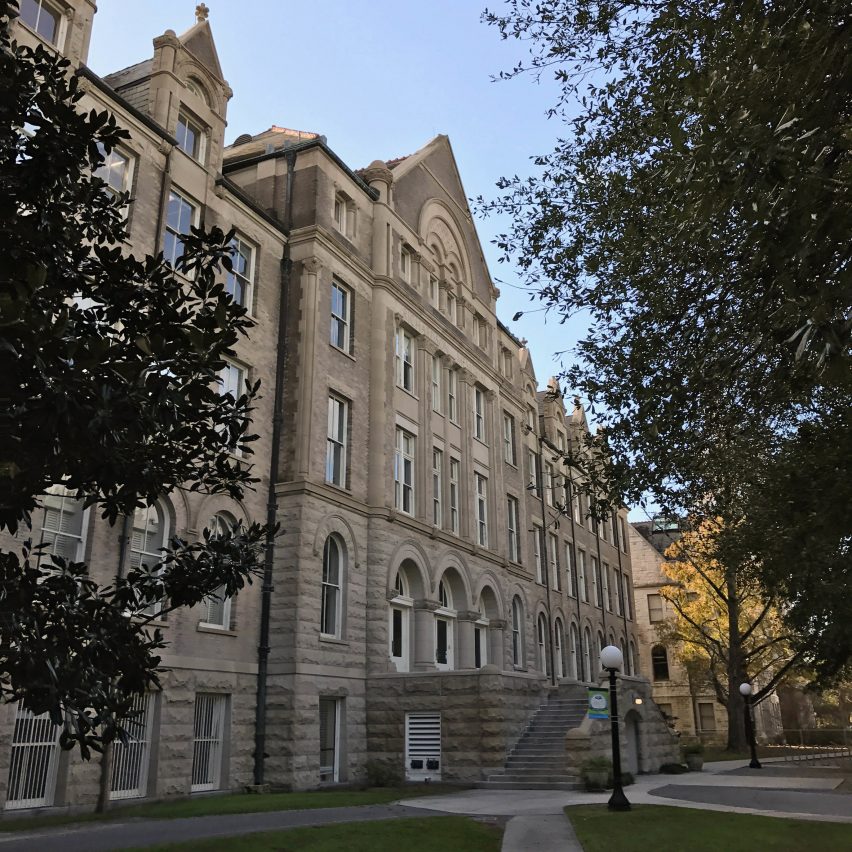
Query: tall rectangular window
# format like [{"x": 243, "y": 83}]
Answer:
[
  {"x": 335, "y": 457},
  {"x": 437, "y": 384},
  {"x": 341, "y": 316},
  {"x": 553, "y": 558},
  {"x": 513, "y": 527},
  {"x": 509, "y": 455},
  {"x": 62, "y": 527},
  {"x": 404, "y": 360},
  {"x": 575, "y": 505},
  {"x": 623, "y": 535},
  {"x": 619, "y": 592},
  {"x": 706, "y": 717},
  {"x": 437, "y": 487},
  {"x": 33, "y": 760},
  {"x": 451, "y": 308},
  {"x": 655, "y": 608},
  {"x": 433, "y": 290},
  {"x": 479, "y": 413},
  {"x": 181, "y": 215},
  {"x": 582, "y": 577},
  {"x": 190, "y": 136},
  {"x": 482, "y": 509},
  {"x": 239, "y": 278},
  {"x": 453, "y": 396},
  {"x": 532, "y": 464},
  {"x": 209, "y": 735},
  {"x": 596, "y": 581},
  {"x": 232, "y": 381},
  {"x": 607, "y": 585},
  {"x": 403, "y": 472},
  {"x": 116, "y": 171},
  {"x": 625, "y": 581},
  {"x": 42, "y": 17},
  {"x": 572, "y": 570},
  {"x": 548, "y": 483},
  {"x": 537, "y": 533},
  {"x": 455, "y": 473},
  {"x": 130, "y": 759},
  {"x": 329, "y": 736}
]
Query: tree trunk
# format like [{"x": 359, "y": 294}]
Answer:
[
  {"x": 737, "y": 740},
  {"x": 105, "y": 779}
]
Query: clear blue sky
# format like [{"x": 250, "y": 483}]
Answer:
[{"x": 379, "y": 79}]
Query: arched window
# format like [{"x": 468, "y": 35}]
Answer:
[
  {"x": 541, "y": 635},
  {"x": 660, "y": 662},
  {"x": 517, "y": 633},
  {"x": 445, "y": 619},
  {"x": 601, "y": 642},
  {"x": 587, "y": 654},
  {"x": 559, "y": 649},
  {"x": 574, "y": 651},
  {"x": 197, "y": 89},
  {"x": 217, "y": 607},
  {"x": 150, "y": 533},
  {"x": 332, "y": 583},
  {"x": 399, "y": 624}
]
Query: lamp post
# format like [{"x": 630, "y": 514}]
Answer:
[
  {"x": 612, "y": 660},
  {"x": 745, "y": 691}
]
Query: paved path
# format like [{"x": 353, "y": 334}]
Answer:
[{"x": 101, "y": 837}]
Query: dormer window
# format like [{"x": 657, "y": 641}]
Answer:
[
  {"x": 344, "y": 215},
  {"x": 190, "y": 136},
  {"x": 43, "y": 18}
]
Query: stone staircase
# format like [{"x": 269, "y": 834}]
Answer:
[{"x": 538, "y": 759}]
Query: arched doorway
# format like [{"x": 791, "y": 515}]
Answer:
[{"x": 631, "y": 738}]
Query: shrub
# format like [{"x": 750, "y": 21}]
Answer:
[
  {"x": 693, "y": 748},
  {"x": 382, "y": 773},
  {"x": 673, "y": 769}
]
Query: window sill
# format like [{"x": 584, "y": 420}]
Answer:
[
  {"x": 332, "y": 640},
  {"x": 202, "y": 627},
  {"x": 336, "y": 348},
  {"x": 408, "y": 392},
  {"x": 480, "y": 440},
  {"x": 336, "y": 487}
]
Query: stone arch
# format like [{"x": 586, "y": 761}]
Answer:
[
  {"x": 439, "y": 222},
  {"x": 451, "y": 568},
  {"x": 214, "y": 503},
  {"x": 488, "y": 581},
  {"x": 339, "y": 525},
  {"x": 181, "y": 515},
  {"x": 410, "y": 552}
]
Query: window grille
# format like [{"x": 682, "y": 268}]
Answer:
[
  {"x": 34, "y": 760},
  {"x": 130, "y": 760},
  {"x": 207, "y": 742},
  {"x": 422, "y": 746}
]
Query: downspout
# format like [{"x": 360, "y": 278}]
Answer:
[
  {"x": 575, "y": 575},
  {"x": 272, "y": 501},
  {"x": 601, "y": 579}
]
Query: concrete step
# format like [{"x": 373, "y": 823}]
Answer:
[
  {"x": 517, "y": 778},
  {"x": 527, "y": 785}
]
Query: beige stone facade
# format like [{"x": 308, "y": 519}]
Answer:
[{"x": 435, "y": 566}]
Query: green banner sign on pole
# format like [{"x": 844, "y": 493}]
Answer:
[{"x": 599, "y": 704}]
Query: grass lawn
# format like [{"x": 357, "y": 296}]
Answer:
[
  {"x": 238, "y": 803},
  {"x": 429, "y": 834},
  {"x": 668, "y": 829}
]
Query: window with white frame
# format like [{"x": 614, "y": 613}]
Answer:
[
  {"x": 559, "y": 648},
  {"x": 332, "y": 585},
  {"x": 437, "y": 487},
  {"x": 211, "y": 712},
  {"x": 607, "y": 586},
  {"x": 541, "y": 635},
  {"x": 33, "y": 760},
  {"x": 216, "y": 608},
  {"x": 341, "y": 316},
  {"x": 63, "y": 524},
  {"x": 507, "y": 360},
  {"x": 706, "y": 717},
  {"x": 42, "y": 17},
  {"x": 130, "y": 757},
  {"x": 239, "y": 278},
  {"x": 571, "y": 570},
  {"x": 455, "y": 475},
  {"x": 404, "y": 360},
  {"x": 538, "y": 558},
  {"x": 619, "y": 592},
  {"x": 190, "y": 136},
  {"x": 532, "y": 464},
  {"x": 481, "y": 333},
  {"x": 582, "y": 577},
  {"x": 444, "y": 628},
  {"x": 509, "y": 454},
  {"x": 398, "y": 628},
  {"x": 405, "y": 263},
  {"x": 232, "y": 382},
  {"x": 513, "y": 525},
  {"x": 480, "y": 643},
  {"x": 596, "y": 580},
  {"x": 481, "y": 509},
  {"x": 453, "y": 395},
  {"x": 344, "y": 215},
  {"x": 116, "y": 171},
  {"x": 437, "y": 384},
  {"x": 181, "y": 216},
  {"x": 656, "y": 610},
  {"x": 338, "y": 439},
  {"x": 623, "y": 535},
  {"x": 549, "y": 489},
  {"x": 403, "y": 472},
  {"x": 517, "y": 633},
  {"x": 451, "y": 309},
  {"x": 628, "y": 610},
  {"x": 532, "y": 418},
  {"x": 560, "y": 441},
  {"x": 479, "y": 413},
  {"x": 614, "y": 529},
  {"x": 329, "y": 739},
  {"x": 603, "y": 528},
  {"x": 553, "y": 559},
  {"x": 434, "y": 291},
  {"x": 150, "y": 534}
]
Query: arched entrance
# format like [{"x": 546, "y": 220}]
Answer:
[{"x": 631, "y": 738}]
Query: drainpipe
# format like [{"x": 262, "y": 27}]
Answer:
[
  {"x": 576, "y": 575},
  {"x": 272, "y": 501},
  {"x": 545, "y": 556}
]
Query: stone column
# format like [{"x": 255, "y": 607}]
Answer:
[
  {"x": 465, "y": 621},
  {"x": 423, "y": 652},
  {"x": 496, "y": 646}
]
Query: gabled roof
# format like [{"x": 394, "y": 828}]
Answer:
[{"x": 198, "y": 40}]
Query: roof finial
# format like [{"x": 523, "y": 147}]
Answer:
[{"x": 201, "y": 13}]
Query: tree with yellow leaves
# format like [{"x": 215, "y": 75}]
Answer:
[{"x": 726, "y": 628}]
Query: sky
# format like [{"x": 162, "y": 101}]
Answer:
[{"x": 379, "y": 79}]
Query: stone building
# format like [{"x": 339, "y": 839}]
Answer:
[
  {"x": 685, "y": 698},
  {"x": 438, "y": 578}
]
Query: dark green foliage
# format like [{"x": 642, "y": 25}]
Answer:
[
  {"x": 108, "y": 368},
  {"x": 673, "y": 769},
  {"x": 698, "y": 208}
]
